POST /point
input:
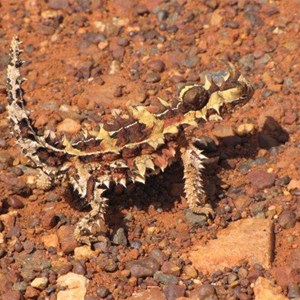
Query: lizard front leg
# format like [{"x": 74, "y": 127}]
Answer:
[
  {"x": 192, "y": 159},
  {"x": 92, "y": 226}
]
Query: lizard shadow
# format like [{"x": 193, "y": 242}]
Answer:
[{"x": 162, "y": 191}]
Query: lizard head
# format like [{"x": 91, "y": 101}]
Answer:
[{"x": 216, "y": 97}]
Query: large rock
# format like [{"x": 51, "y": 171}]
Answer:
[
  {"x": 74, "y": 285},
  {"x": 265, "y": 290},
  {"x": 249, "y": 239}
]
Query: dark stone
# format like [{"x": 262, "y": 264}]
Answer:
[
  {"x": 52, "y": 197},
  {"x": 123, "y": 42},
  {"x": 287, "y": 219},
  {"x": 205, "y": 291},
  {"x": 162, "y": 15},
  {"x": 255, "y": 20},
  {"x": 152, "y": 77},
  {"x": 49, "y": 219},
  {"x": 157, "y": 66},
  {"x": 106, "y": 263},
  {"x": 158, "y": 255},
  {"x": 293, "y": 290},
  {"x": 165, "y": 278},
  {"x": 94, "y": 37},
  {"x": 2, "y": 253},
  {"x": 195, "y": 219},
  {"x": 118, "y": 91},
  {"x": 15, "y": 202},
  {"x": 136, "y": 244},
  {"x": 79, "y": 268},
  {"x": 144, "y": 267},
  {"x": 102, "y": 291},
  {"x": 2, "y": 107},
  {"x": 174, "y": 291},
  {"x": 285, "y": 180}
]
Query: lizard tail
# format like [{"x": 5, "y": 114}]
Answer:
[{"x": 25, "y": 133}]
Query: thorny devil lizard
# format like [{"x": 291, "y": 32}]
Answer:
[{"x": 131, "y": 146}]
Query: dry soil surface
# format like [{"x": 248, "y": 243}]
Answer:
[{"x": 85, "y": 57}]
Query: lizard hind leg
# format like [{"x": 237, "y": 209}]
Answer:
[
  {"x": 192, "y": 159},
  {"x": 92, "y": 226}
]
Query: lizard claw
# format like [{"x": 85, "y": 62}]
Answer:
[{"x": 206, "y": 210}]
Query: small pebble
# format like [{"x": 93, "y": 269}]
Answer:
[
  {"x": 261, "y": 179},
  {"x": 162, "y": 15},
  {"x": 285, "y": 180},
  {"x": 49, "y": 219},
  {"x": 2, "y": 253},
  {"x": 157, "y": 66},
  {"x": 102, "y": 291},
  {"x": 79, "y": 268},
  {"x": 58, "y": 4},
  {"x": 190, "y": 271},
  {"x": 170, "y": 268},
  {"x": 118, "y": 91},
  {"x": 123, "y": 42},
  {"x": 109, "y": 265},
  {"x": 242, "y": 273},
  {"x": 52, "y": 197},
  {"x": 287, "y": 219},
  {"x": 293, "y": 290},
  {"x": 120, "y": 238},
  {"x": 232, "y": 277},
  {"x": 174, "y": 291},
  {"x": 136, "y": 244},
  {"x": 195, "y": 219},
  {"x": 144, "y": 267},
  {"x": 2, "y": 108},
  {"x": 3, "y": 144},
  {"x": 15, "y": 202},
  {"x": 17, "y": 171},
  {"x": 66, "y": 238},
  {"x": 40, "y": 283},
  {"x": 207, "y": 291},
  {"x": 158, "y": 255},
  {"x": 165, "y": 278},
  {"x": 152, "y": 77},
  {"x": 28, "y": 247}
]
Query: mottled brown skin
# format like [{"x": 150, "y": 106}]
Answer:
[{"x": 138, "y": 142}]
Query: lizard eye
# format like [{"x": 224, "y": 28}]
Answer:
[{"x": 194, "y": 97}]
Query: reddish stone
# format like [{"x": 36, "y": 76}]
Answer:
[
  {"x": 66, "y": 239},
  {"x": 261, "y": 179}
]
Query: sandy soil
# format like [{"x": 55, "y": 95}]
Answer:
[{"x": 85, "y": 57}]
